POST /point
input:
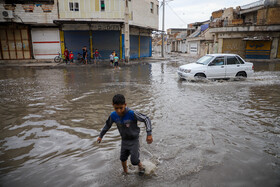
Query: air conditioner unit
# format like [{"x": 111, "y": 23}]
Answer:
[{"x": 8, "y": 14}]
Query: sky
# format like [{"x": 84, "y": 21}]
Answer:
[{"x": 180, "y": 13}]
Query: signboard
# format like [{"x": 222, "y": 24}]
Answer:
[
  {"x": 258, "y": 49},
  {"x": 106, "y": 27}
]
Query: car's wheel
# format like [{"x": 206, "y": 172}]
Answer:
[
  {"x": 241, "y": 74},
  {"x": 200, "y": 76}
]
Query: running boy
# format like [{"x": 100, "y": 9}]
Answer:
[{"x": 126, "y": 121}]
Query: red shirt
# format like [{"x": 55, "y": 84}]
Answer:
[
  {"x": 96, "y": 53},
  {"x": 71, "y": 56},
  {"x": 66, "y": 53}
]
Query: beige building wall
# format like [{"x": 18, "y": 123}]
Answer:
[
  {"x": 145, "y": 13},
  {"x": 142, "y": 13},
  {"x": 91, "y": 9}
]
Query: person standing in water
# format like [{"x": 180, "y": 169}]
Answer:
[
  {"x": 116, "y": 61},
  {"x": 126, "y": 121}
]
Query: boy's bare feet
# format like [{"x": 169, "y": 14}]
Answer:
[
  {"x": 141, "y": 169},
  {"x": 124, "y": 165}
]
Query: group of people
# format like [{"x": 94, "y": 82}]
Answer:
[
  {"x": 114, "y": 59},
  {"x": 69, "y": 57}
]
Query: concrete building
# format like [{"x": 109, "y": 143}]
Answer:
[
  {"x": 41, "y": 28},
  {"x": 252, "y": 31},
  {"x": 101, "y": 24},
  {"x": 27, "y": 29}
]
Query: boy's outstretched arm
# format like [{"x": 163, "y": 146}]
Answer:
[
  {"x": 147, "y": 121},
  {"x": 106, "y": 127}
]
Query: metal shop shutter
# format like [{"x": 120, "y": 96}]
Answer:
[
  {"x": 46, "y": 42},
  {"x": 193, "y": 48},
  {"x": 134, "y": 46},
  {"x": 235, "y": 46},
  {"x": 14, "y": 44},
  {"x": 145, "y": 46},
  {"x": 106, "y": 42},
  {"x": 258, "y": 49},
  {"x": 76, "y": 40}
]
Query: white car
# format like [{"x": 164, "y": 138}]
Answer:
[{"x": 217, "y": 66}]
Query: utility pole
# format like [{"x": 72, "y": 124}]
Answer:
[
  {"x": 162, "y": 32},
  {"x": 126, "y": 31}
]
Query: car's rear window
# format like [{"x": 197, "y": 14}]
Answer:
[
  {"x": 204, "y": 60},
  {"x": 232, "y": 60}
]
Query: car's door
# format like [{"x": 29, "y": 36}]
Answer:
[
  {"x": 216, "y": 68},
  {"x": 232, "y": 66}
]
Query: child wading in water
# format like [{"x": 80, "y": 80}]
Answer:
[{"x": 126, "y": 121}]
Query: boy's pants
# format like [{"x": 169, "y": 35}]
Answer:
[{"x": 130, "y": 147}]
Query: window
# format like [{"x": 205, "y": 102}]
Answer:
[
  {"x": 76, "y": 6},
  {"x": 152, "y": 7},
  {"x": 73, "y": 6},
  {"x": 240, "y": 60},
  {"x": 218, "y": 61},
  {"x": 231, "y": 60},
  {"x": 102, "y": 3},
  {"x": 157, "y": 9},
  {"x": 204, "y": 60}
]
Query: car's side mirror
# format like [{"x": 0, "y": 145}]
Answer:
[{"x": 211, "y": 64}]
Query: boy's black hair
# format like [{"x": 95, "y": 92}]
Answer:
[{"x": 118, "y": 99}]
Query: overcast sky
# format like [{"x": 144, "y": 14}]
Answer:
[{"x": 179, "y": 13}]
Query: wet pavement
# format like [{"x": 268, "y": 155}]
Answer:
[{"x": 211, "y": 133}]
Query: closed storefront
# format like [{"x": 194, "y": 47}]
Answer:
[
  {"x": 258, "y": 49},
  {"x": 76, "y": 40},
  {"x": 145, "y": 46},
  {"x": 193, "y": 46},
  {"x": 234, "y": 46},
  {"x": 134, "y": 46},
  {"x": 15, "y": 43},
  {"x": 106, "y": 42},
  {"x": 46, "y": 44}
]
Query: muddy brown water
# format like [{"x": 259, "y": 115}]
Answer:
[{"x": 212, "y": 133}]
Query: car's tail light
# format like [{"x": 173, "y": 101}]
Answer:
[{"x": 252, "y": 67}]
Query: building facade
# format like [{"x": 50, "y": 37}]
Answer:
[
  {"x": 27, "y": 29},
  {"x": 42, "y": 28},
  {"x": 100, "y": 24},
  {"x": 252, "y": 31}
]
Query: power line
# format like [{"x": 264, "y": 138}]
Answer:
[{"x": 176, "y": 14}]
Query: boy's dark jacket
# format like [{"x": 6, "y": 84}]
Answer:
[{"x": 127, "y": 124}]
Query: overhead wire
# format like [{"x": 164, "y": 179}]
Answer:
[{"x": 176, "y": 14}]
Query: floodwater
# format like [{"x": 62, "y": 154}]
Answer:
[{"x": 212, "y": 133}]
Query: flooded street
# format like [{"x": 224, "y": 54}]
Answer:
[{"x": 213, "y": 133}]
